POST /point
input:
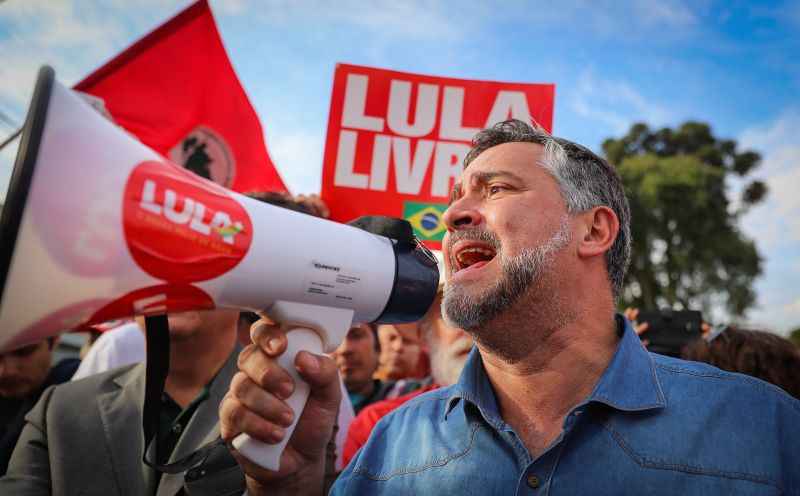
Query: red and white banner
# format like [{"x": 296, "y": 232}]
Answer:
[
  {"x": 396, "y": 140},
  {"x": 176, "y": 90}
]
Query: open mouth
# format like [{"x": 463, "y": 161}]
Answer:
[{"x": 472, "y": 255}]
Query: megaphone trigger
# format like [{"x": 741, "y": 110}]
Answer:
[{"x": 312, "y": 328}]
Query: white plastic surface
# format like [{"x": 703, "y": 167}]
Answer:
[{"x": 71, "y": 256}]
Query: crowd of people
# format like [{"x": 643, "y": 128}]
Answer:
[{"x": 521, "y": 377}]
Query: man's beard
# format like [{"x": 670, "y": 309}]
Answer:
[{"x": 519, "y": 274}]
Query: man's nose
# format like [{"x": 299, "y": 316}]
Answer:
[{"x": 461, "y": 214}]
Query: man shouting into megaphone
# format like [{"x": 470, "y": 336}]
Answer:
[{"x": 558, "y": 395}]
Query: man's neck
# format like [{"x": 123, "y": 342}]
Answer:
[
  {"x": 534, "y": 393},
  {"x": 364, "y": 390},
  {"x": 194, "y": 361}
]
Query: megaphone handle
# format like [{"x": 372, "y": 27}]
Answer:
[{"x": 269, "y": 455}]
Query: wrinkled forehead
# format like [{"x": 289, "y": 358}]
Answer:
[{"x": 521, "y": 161}]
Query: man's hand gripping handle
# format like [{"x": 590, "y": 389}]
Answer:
[{"x": 310, "y": 328}]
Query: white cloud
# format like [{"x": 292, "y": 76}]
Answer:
[
  {"x": 616, "y": 104},
  {"x": 73, "y": 36},
  {"x": 777, "y": 134},
  {"x": 654, "y": 13},
  {"x": 793, "y": 309},
  {"x": 418, "y": 19},
  {"x": 612, "y": 19},
  {"x": 298, "y": 157},
  {"x": 775, "y": 224},
  {"x": 777, "y": 220}
]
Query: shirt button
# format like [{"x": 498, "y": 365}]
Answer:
[
  {"x": 177, "y": 428},
  {"x": 533, "y": 481}
]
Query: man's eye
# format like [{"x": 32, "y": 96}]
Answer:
[{"x": 496, "y": 188}]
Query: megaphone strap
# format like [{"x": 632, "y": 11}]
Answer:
[{"x": 157, "y": 367}]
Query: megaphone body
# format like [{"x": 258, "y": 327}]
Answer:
[{"x": 97, "y": 226}]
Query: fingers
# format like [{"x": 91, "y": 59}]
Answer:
[
  {"x": 269, "y": 337},
  {"x": 319, "y": 371},
  {"x": 631, "y": 313},
  {"x": 641, "y": 328},
  {"x": 235, "y": 418},
  {"x": 315, "y": 425},
  {"x": 265, "y": 371},
  {"x": 315, "y": 203},
  {"x": 260, "y": 402},
  {"x": 248, "y": 408}
]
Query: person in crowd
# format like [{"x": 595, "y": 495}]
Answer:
[
  {"x": 357, "y": 360},
  {"x": 761, "y": 354},
  {"x": 449, "y": 348},
  {"x": 86, "y": 436},
  {"x": 119, "y": 346},
  {"x": 402, "y": 355},
  {"x": 24, "y": 374},
  {"x": 559, "y": 396}
]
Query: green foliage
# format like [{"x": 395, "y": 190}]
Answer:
[
  {"x": 794, "y": 336},
  {"x": 687, "y": 249}
]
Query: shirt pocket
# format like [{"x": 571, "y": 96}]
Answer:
[
  {"x": 423, "y": 450},
  {"x": 694, "y": 463}
]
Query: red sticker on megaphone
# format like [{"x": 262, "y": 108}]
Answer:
[
  {"x": 180, "y": 227},
  {"x": 164, "y": 298}
]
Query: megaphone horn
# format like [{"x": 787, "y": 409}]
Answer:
[{"x": 97, "y": 226}]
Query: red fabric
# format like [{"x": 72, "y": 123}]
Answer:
[
  {"x": 178, "y": 78},
  {"x": 423, "y": 365},
  {"x": 365, "y": 421}
]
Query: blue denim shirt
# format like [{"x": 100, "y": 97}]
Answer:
[{"x": 652, "y": 425}]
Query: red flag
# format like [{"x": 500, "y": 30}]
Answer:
[{"x": 176, "y": 90}]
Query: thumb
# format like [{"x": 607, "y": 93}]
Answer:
[{"x": 321, "y": 373}]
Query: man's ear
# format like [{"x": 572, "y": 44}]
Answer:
[{"x": 598, "y": 231}]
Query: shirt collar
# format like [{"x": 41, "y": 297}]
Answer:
[
  {"x": 473, "y": 386},
  {"x": 629, "y": 383}
]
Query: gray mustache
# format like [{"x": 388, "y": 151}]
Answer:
[{"x": 482, "y": 235}]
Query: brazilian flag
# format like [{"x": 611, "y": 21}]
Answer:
[{"x": 426, "y": 219}]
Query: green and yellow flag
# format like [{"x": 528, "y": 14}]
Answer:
[{"x": 426, "y": 219}]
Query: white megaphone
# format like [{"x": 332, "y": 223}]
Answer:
[{"x": 97, "y": 226}]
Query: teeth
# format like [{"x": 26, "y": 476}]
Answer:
[{"x": 473, "y": 249}]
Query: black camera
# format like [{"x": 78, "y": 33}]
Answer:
[{"x": 670, "y": 330}]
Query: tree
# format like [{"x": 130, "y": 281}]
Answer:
[
  {"x": 794, "y": 336},
  {"x": 687, "y": 249}
]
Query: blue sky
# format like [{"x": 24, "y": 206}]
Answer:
[{"x": 733, "y": 64}]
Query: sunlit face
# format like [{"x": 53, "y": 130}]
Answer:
[
  {"x": 400, "y": 349},
  {"x": 506, "y": 223},
  {"x": 24, "y": 370},
  {"x": 357, "y": 358}
]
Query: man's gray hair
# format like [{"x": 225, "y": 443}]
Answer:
[{"x": 586, "y": 181}]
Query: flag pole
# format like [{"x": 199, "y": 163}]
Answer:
[{"x": 10, "y": 138}]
